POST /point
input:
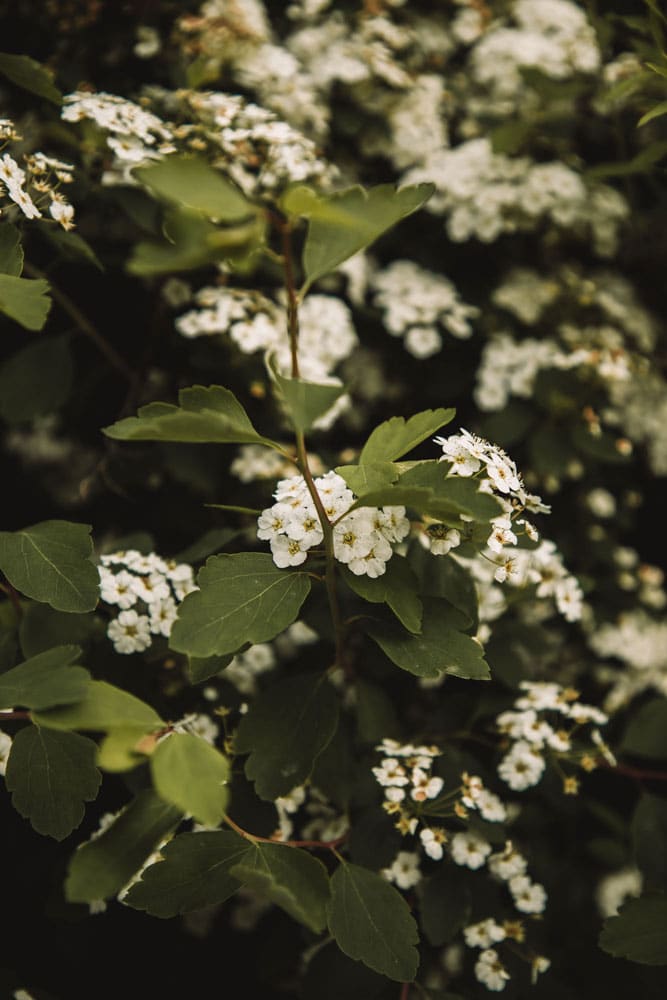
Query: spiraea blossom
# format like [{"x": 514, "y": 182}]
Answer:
[
  {"x": 147, "y": 589},
  {"x": 34, "y": 187},
  {"x": 362, "y": 538}
]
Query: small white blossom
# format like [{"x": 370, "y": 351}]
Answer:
[
  {"x": 469, "y": 850},
  {"x": 404, "y": 870}
]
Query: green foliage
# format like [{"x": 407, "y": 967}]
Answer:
[
  {"x": 639, "y": 932},
  {"x": 103, "y": 866},
  {"x": 371, "y": 922},
  {"x": 50, "y": 776},
  {"x": 341, "y": 224},
  {"x": 398, "y": 436},
  {"x": 45, "y": 680},
  {"x": 25, "y": 300},
  {"x": 242, "y": 599},
  {"x": 42, "y": 627},
  {"x": 284, "y": 732},
  {"x": 192, "y": 775},
  {"x": 30, "y": 75},
  {"x": 368, "y": 478},
  {"x": 440, "y": 648},
  {"x": 36, "y": 380},
  {"x": 205, "y": 415},
  {"x": 304, "y": 401},
  {"x": 397, "y": 587},
  {"x": 191, "y": 182},
  {"x": 195, "y": 873},
  {"x": 50, "y": 562},
  {"x": 646, "y": 734},
  {"x": 103, "y": 708},
  {"x": 290, "y": 878},
  {"x": 11, "y": 251}
]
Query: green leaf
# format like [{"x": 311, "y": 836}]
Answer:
[
  {"x": 369, "y": 477},
  {"x": 205, "y": 415},
  {"x": 397, "y": 436},
  {"x": 25, "y": 300},
  {"x": 104, "y": 707},
  {"x": 649, "y": 836},
  {"x": 343, "y": 223},
  {"x": 655, "y": 112},
  {"x": 441, "y": 576},
  {"x": 50, "y": 562},
  {"x": 646, "y": 735},
  {"x": 452, "y": 495},
  {"x": 42, "y": 628},
  {"x": 201, "y": 668},
  {"x": 304, "y": 401},
  {"x": 191, "y": 774},
  {"x": 371, "y": 922},
  {"x": 193, "y": 874},
  {"x": 242, "y": 598},
  {"x": 639, "y": 932},
  {"x": 290, "y": 878},
  {"x": 397, "y": 587},
  {"x": 11, "y": 251},
  {"x": 192, "y": 183},
  {"x": 120, "y": 749},
  {"x": 285, "y": 730},
  {"x": 103, "y": 866},
  {"x": 30, "y": 75},
  {"x": 36, "y": 380},
  {"x": 45, "y": 680},
  {"x": 70, "y": 245},
  {"x": 50, "y": 776},
  {"x": 440, "y": 649}
]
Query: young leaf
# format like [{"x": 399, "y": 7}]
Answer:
[
  {"x": 104, "y": 707},
  {"x": 290, "y": 878},
  {"x": 205, "y": 415},
  {"x": 11, "y": 251},
  {"x": 451, "y": 496},
  {"x": 193, "y": 874},
  {"x": 50, "y": 562},
  {"x": 656, "y": 112},
  {"x": 50, "y": 776},
  {"x": 371, "y": 922},
  {"x": 36, "y": 380},
  {"x": 45, "y": 680},
  {"x": 646, "y": 735},
  {"x": 242, "y": 598},
  {"x": 368, "y": 478},
  {"x": 30, "y": 75},
  {"x": 305, "y": 401},
  {"x": 397, "y": 587},
  {"x": 25, "y": 300},
  {"x": 345, "y": 222},
  {"x": 191, "y": 774},
  {"x": 192, "y": 183},
  {"x": 103, "y": 866},
  {"x": 285, "y": 730},
  {"x": 440, "y": 649},
  {"x": 639, "y": 932},
  {"x": 397, "y": 436},
  {"x": 123, "y": 749}
]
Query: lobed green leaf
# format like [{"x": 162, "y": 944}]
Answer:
[{"x": 290, "y": 878}]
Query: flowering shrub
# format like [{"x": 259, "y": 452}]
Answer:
[{"x": 333, "y": 415}]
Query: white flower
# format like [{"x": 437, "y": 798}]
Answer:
[
  {"x": 5, "y": 747},
  {"x": 501, "y": 535},
  {"x": 424, "y": 786},
  {"x": 432, "y": 840},
  {"x": 287, "y": 552},
  {"x": 490, "y": 807},
  {"x": 522, "y": 767},
  {"x": 508, "y": 863},
  {"x": 117, "y": 588},
  {"x": 162, "y": 615},
  {"x": 538, "y": 965},
  {"x": 469, "y": 850},
  {"x": 130, "y": 632},
  {"x": 151, "y": 588},
  {"x": 484, "y": 934},
  {"x": 529, "y": 897},
  {"x": 404, "y": 870},
  {"x": 390, "y": 772},
  {"x": 490, "y": 971},
  {"x": 455, "y": 449}
]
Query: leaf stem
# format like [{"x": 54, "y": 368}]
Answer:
[{"x": 324, "y": 845}]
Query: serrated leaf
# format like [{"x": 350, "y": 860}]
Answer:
[
  {"x": 37, "y": 380},
  {"x": 191, "y": 182},
  {"x": 204, "y": 415},
  {"x": 104, "y": 707},
  {"x": 30, "y": 75},
  {"x": 441, "y": 648},
  {"x": 25, "y": 300},
  {"x": 451, "y": 495},
  {"x": 397, "y": 587},
  {"x": 285, "y": 730},
  {"x": 368, "y": 478},
  {"x": 371, "y": 922},
  {"x": 11, "y": 251},
  {"x": 242, "y": 598},
  {"x": 193, "y": 874},
  {"x": 304, "y": 401},
  {"x": 639, "y": 932},
  {"x": 290, "y": 878},
  {"x": 341, "y": 224},
  {"x": 191, "y": 774},
  {"x": 646, "y": 735},
  {"x": 103, "y": 866},
  {"x": 50, "y": 562},
  {"x": 649, "y": 836},
  {"x": 45, "y": 680},
  {"x": 50, "y": 776},
  {"x": 397, "y": 436}
]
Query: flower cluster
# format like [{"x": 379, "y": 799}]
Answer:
[
  {"x": 319, "y": 819},
  {"x": 39, "y": 182},
  {"x": 147, "y": 589},
  {"x": 544, "y": 722},
  {"x": 362, "y": 539},
  {"x": 639, "y": 641}
]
